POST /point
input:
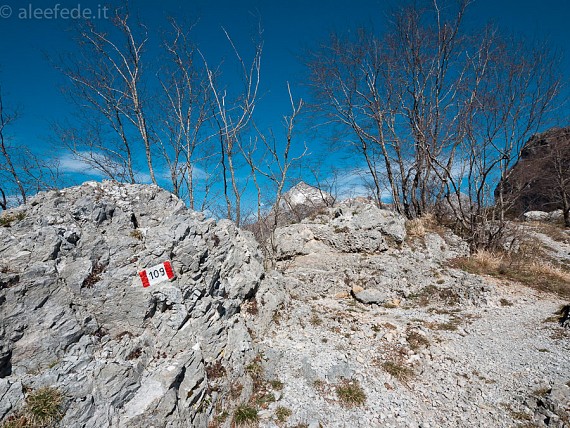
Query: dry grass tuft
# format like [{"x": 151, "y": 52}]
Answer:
[
  {"x": 398, "y": 370},
  {"x": 529, "y": 266},
  {"x": 417, "y": 340},
  {"x": 556, "y": 231},
  {"x": 350, "y": 393},
  {"x": 6, "y": 219},
  {"x": 42, "y": 409},
  {"x": 245, "y": 416},
  {"x": 282, "y": 414},
  {"x": 421, "y": 226}
]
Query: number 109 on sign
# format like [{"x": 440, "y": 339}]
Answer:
[{"x": 156, "y": 274}]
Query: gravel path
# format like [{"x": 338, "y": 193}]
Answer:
[{"x": 477, "y": 366}]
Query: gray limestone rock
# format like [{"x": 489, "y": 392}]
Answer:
[
  {"x": 347, "y": 228},
  {"x": 370, "y": 296},
  {"x": 75, "y": 316},
  {"x": 536, "y": 216}
]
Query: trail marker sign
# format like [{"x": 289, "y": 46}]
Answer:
[{"x": 156, "y": 274}]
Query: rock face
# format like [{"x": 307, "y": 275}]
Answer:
[
  {"x": 74, "y": 314},
  {"x": 531, "y": 179}
]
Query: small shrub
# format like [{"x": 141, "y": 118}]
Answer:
[
  {"x": 283, "y": 413},
  {"x": 245, "y": 416},
  {"x": 43, "y": 407},
  {"x": 6, "y": 219},
  {"x": 398, "y": 370},
  {"x": 350, "y": 393}
]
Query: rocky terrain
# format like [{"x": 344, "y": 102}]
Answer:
[
  {"x": 429, "y": 345},
  {"x": 364, "y": 323},
  {"x": 74, "y": 315}
]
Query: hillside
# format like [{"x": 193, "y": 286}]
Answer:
[{"x": 367, "y": 321}]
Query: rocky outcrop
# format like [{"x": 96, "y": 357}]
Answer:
[
  {"x": 75, "y": 316},
  {"x": 420, "y": 343},
  {"x": 355, "y": 302},
  {"x": 530, "y": 185},
  {"x": 346, "y": 228},
  {"x": 550, "y": 406},
  {"x": 554, "y": 216}
]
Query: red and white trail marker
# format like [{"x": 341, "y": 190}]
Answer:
[{"x": 156, "y": 274}]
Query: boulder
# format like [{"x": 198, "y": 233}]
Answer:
[
  {"x": 75, "y": 316},
  {"x": 370, "y": 296},
  {"x": 555, "y": 216}
]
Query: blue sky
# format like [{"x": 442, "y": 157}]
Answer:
[{"x": 30, "y": 83}]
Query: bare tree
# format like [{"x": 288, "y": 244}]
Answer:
[
  {"x": 445, "y": 111},
  {"x": 232, "y": 115},
  {"x": 516, "y": 90},
  {"x": 541, "y": 177},
  {"x": 558, "y": 157},
  {"x": 402, "y": 97},
  {"x": 185, "y": 114},
  {"x": 277, "y": 159},
  {"x": 9, "y": 168},
  {"x": 343, "y": 73},
  {"x": 107, "y": 75},
  {"x": 22, "y": 172}
]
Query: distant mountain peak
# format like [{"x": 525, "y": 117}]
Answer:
[{"x": 305, "y": 194}]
